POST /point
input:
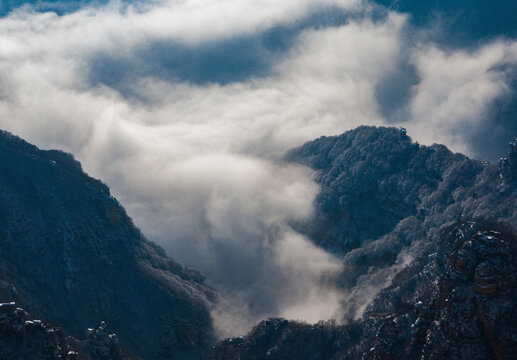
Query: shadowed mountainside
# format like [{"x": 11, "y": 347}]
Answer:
[
  {"x": 372, "y": 179},
  {"x": 70, "y": 254}
]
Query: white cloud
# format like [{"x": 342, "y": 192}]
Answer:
[
  {"x": 118, "y": 26},
  {"x": 310, "y": 297},
  {"x": 456, "y": 90},
  {"x": 198, "y": 167}
]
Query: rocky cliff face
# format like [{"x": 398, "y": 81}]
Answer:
[
  {"x": 70, "y": 254},
  {"x": 22, "y": 338}
]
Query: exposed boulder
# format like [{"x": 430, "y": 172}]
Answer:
[
  {"x": 103, "y": 345},
  {"x": 508, "y": 165}
]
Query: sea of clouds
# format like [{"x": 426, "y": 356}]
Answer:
[{"x": 186, "y": 108}]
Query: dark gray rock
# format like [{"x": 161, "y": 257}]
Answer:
[
  {"x": 103, "y": 345},
  {"x": 508, "y": 165},
  {"x": 21, "y": 338}
]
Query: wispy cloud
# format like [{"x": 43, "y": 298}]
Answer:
[{"x": 453, "y": 99}]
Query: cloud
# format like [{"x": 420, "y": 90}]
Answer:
[
  {"x": 58, "y": 6},
  {"x": 198, "y": 166},
  {"x": 118, "y": 26},
  {"x": 456, "y": 90},
  {"x": 196, "y": 158},
  {"x": 298, "y": 279},
  {"x": 311, "y": 291}
]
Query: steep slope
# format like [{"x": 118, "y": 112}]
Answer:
[{"x": 70, "y": 254}]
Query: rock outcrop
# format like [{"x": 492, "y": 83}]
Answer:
[
  {"x": 21, "y": 338},
  {"x": 70, "y": 254},
  {"x": 103, "y": 345},
  {"x": 508, "y": 164}
]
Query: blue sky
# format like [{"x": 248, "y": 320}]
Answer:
[{"x": 59, "y": 6}]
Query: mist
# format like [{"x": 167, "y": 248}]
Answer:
[{"x": 195, "y": 156}]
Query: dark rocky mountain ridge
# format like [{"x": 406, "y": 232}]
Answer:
[
  {"x": 70, "y": 254},
  {"x": 384, "y": 198},
  {"x": 373, "y": 178}
]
